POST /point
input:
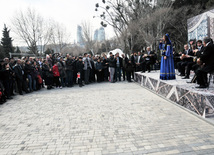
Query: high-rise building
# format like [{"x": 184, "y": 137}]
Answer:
[
  {"x": 96, "y": 34},
  {"x": 99, "y": 34},
  {"x": 79, "y": 35}
]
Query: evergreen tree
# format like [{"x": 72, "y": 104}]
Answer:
[
  {"x": 18, "y": 50},
  {"x": 202, "y": 3},
  {"x": 49, "y": 51},
  {"x": 210, "y": 4},
  {"x": 2, "y": 55},
  {"x": 6, "y": 42},
  {"x": 181, "y": 12}
]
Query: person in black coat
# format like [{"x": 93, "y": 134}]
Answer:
[
  {"x": 99, "y": 70},
  {"x": 125, "y": 61},
  {"x": 6, "y": 78},
  {"x": 193, "y": 65},
  {"x": 112, "y": 65},
  {"x": 29, "y": 71},
  {"x": 186, "y": 58},
  {"x": 105, "y": 68},
  {"x": 34, "y": 75},
  {"x": 74, "y": 69},
  {"x": 92, "y": 70},
  {"x": 12, "y": 79},
  {"x": 133, "y": 61},
  {"x": 47, "y": 74},
  {"x": 207, "y": 63},
  {"x": 61, "y": 66},
  {"x": 19, "y": 72},
  {"x": 2, "y": 77},
  {"x": 129, "y": 69},
  {"x": 69, "y": 68},
  {"x": 24, "y": 82},
  {"x": 140, "y": 63},
  {"x": 149, "y": 57},
  {"x": 79, "y": 68},
  {"x": 119, "y": 66},
  {"x": 2, "y": 93}
]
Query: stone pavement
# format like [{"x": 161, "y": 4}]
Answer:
[{"x": 120, "y": 118}]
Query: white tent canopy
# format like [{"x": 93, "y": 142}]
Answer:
[{"x": 116, "y": 51}]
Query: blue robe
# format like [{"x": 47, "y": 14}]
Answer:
[{"x": 167, "y": 70}]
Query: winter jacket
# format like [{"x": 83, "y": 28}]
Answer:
[
  {"x": 112, "y": 62},
  {"x": 98, "y": 66},
  {"x": 61, "y": 67},
  {"x": 56, "y": 71},
  {"x": 79, "y": 66}
]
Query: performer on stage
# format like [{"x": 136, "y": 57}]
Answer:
[{"x": 167, "y": 70}]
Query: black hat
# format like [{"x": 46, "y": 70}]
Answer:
[
  {"x": 80, "y": 57},
  {"x": 110, "y": 53}
]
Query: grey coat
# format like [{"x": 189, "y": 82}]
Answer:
[{"x": 87, "y": 63}]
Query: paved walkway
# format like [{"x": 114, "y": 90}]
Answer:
[{"x": 120, "y": 118}]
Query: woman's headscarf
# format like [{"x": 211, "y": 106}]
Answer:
[{"x": 169, "y": 41}]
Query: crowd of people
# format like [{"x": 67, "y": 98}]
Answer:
[
  {"x": 56, "y": 71},
  {"x": 29, "y": 74}
]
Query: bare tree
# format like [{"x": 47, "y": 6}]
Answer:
[
  {"x": 87, "y": 35},
  {"x": 46, "y": 35},
  {"x": 178, "y": 23},
  {"x": 60, "y": 36},
  {"x": 113, "y": 14},
  {"x": 136, "y": 22},
  {"x": 123, "y": 16},
  {"x": 27, "y": 25}
]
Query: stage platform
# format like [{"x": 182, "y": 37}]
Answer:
[{"x": 200, "y": 101}]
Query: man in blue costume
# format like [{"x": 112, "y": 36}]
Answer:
[{"x": 167, "y": 70}]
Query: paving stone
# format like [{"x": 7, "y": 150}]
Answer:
[{"x": 121, "y": 118}]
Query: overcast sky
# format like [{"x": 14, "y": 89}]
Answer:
[{"x": 69, "y": 12}]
